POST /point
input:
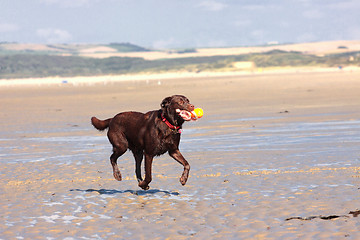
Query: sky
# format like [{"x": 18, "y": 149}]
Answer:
[{"x": 164, "y": 24}]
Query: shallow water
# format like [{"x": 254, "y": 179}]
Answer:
[{"x": 322, "y": 141}]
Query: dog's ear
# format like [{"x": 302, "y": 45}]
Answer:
[{"x": 165, "y": 102}]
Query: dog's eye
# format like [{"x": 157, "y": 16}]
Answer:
[{"x": 181, "y": 102}]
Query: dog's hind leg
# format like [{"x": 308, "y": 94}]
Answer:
[
  {"x": 113, "y": 159},
  {"x": 138, "y": 155},
  {"x": 120, "y": 146}
]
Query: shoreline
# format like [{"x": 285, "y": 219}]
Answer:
[{"x": 106, "y": 79}]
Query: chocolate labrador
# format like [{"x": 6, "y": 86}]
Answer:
[{"x": 151, "y": 134}]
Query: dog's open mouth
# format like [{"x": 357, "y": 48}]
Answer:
[{"x": 186, "y": 115}]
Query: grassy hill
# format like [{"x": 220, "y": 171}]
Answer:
[{"x": 23, "y": 61}]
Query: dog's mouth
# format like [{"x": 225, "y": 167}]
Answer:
[{"x": 186, "y": 115}]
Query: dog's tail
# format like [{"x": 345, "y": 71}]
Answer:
[{"x": 100, "y": 124}]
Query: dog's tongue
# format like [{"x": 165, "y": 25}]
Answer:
[{"x": 184, "y": 114}]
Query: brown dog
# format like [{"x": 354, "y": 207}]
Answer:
[{"x": 151, "y": 134}]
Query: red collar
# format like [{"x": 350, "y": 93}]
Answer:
[{"x": 176, "y": 128}]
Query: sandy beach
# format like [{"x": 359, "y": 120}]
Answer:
[{"x": 276, "y": 156}]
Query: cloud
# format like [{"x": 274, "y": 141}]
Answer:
[
  {"x": 312, "y": 14},
  {"x": 344, "y": 5},
  {"x": 8, "y": 27},
  {"x": 212, "y": 6},
  {"x": 258, "y": 6},
  {"x": 67, "y": 3},
  {"x": 54, "y": 35},
  {"x": 243, "y": 23},
  {"x": 254, "y": 7},
  {"x": 303, "y": 2}
]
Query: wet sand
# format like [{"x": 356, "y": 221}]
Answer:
[{"x": 275, "y": 156}]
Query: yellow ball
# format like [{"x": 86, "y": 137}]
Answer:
[{"x": 199, "y": 112}]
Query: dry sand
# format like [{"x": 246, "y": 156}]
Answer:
[{"x": 269, "y": 149}]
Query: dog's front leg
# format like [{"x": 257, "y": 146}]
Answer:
[
  {"x": 148, "y": 163},
  {"x": 176, "y": 154}
]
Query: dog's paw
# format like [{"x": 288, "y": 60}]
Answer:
[
  {"x": 144, "y": 185},
  {"x": 117, "y": 176},
  {"x": 183, "y": 180}
]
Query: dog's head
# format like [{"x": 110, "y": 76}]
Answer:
[{"x": 177, "y": 109}]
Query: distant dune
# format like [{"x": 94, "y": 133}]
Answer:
[
  {"x": 315, "y": 48},
  {"x": 104, "y": 51}
]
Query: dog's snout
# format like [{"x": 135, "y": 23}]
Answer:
[{"x": 191, "y": 107}]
